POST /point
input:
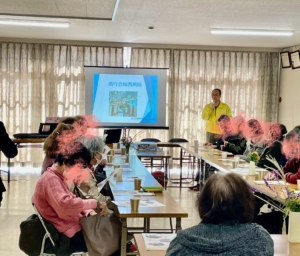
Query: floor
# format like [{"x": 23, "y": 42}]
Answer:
[{"x": 16, "y": 207}]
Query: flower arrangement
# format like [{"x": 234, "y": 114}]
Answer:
[
  {"x": 253, "y": 156},
  {"x": 126, "y": 140},
  {"x": 291, "y": 202}
]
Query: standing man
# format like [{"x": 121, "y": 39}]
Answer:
[{"x": 211, "y": 113}]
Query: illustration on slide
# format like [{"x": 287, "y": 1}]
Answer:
[{"x": 122, "y": 103}]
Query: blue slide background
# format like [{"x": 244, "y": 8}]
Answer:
[{"x": 150, "y": 84}]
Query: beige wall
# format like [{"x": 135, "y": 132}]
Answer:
[{"x": 289, "y": 108}]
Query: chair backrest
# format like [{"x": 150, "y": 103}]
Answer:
[
  {"x": 178, "y": 140},
  {"x": 150, "y": 140},
  {"x": 46, "y": 230}
]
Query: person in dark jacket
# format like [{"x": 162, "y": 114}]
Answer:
[
  {"x": 9, "y": 149},
  {"x": 233, "y": 139},
  {"x": 226, "y": 208},
  {"x": 7, "y": 146},
  {"x": 273, "y": 145}
]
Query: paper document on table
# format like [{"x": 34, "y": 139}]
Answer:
[
  {"x": 154, "y": 241},
  {"x": 143, "y": 203},
  {"x": 239, "y": 170},
  {"x": 130, "y": 178},
  {"x": 132, "y": 193},
  {"x": 101, "y": 184},
  {"x": 271, "y": 182}
]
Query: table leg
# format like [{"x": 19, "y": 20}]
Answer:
[
  {"x": 166, "y": 173},
  {"x": 180, "y": 177},
  {"x": 148, "y": 224},
  {"x": 124, "y": 237},
  {"x": 178, "y": 224},
  {"x": 8, "y": 170}
]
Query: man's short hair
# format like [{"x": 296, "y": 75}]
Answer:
[
  {"x": 217, "y": 89},
  {"x": 223, "y": 118},
  {"x": 226, "y": 198},
  {"x": 255, "y": 125}
]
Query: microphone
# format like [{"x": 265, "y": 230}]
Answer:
[{"x": 214, "y": 103}]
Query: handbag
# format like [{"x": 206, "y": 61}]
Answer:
[
  {"x": 32, "y": 234},
  {"x": 102, "y": 234}
]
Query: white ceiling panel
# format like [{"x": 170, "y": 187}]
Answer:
[{"x": 175, "y": 21}]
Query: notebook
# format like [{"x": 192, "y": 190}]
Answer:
[{"x": 45, "y": 130}]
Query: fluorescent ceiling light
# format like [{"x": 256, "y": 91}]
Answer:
[
  {"x": 35, "y": 23},
  {"x": 249, "y": 32}
]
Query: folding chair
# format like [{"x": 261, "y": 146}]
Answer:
[{"x": 47, "y": 235}]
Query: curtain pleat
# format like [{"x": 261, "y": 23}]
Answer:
[
  {"x": 40, "y": 80},
  {"x": 248, "y": 80}
]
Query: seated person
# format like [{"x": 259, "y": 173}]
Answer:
[
  {"x": 9, "y": 149},
  {"x": 63, "y": 133},
  {"x": 57, "y": 204},
  {"x": 255, "y": 140},
  {"x": 232, "y": 140},
  {"x": 291, "y": 149},
  {"x": 273, "y": 146},
  {"x": 226, "y": 208},
  {"x": 7, "y": 146},
  {"x": 95, "y": 145}
]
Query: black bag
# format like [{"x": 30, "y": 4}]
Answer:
[
  {"x": 2, "y": 189},
  {"x": 32, "y": 234}
]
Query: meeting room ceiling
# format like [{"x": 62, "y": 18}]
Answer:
[{"x": 185, "y": 22}]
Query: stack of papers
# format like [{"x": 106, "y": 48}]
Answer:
[
  {"x": 270, "y": 182},
  {"x": 143, "y": 203},
  {"x": 155, "y": 241},
  {"x": 242, "y": 171},
  {"x": 132, "y": 193}
]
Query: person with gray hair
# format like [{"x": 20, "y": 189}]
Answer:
[{"x": 95, "y": 145}]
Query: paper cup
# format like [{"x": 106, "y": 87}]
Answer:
[
  {"x": 224, "y": 154},
  {"x": 235, "y": 164},
  {"x": 137, "y": 183},
  {"x": 211, "y": 152},
  {"x": 115, "y": 145},
  {"x": 298, "y": 184},
  {"x": 112, "y": 152},
  {"x": 134, "y": 204},
  {"x": 119, "y": 175},
  {"x": 109, "y": 159},
  {"x": 236, "y": 158},
  {"x": 123, "y": 151},
  {"x": 261, "y": 174}
]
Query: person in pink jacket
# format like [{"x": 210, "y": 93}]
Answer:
[{"x": 57, "y": 204}]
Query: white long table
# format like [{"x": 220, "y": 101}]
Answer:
[{"x": 171, "y": 208}]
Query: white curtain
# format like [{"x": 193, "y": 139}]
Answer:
[
  {"x": 154, "y": 58},
  {"x": 40, "y": 80},
  {"x": 248, "y": 80}
]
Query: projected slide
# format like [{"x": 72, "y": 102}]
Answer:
[{"x": 125, "y": 98}]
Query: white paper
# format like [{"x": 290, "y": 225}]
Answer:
[
  {"x": 270, "y": 182},
  {"x": 143, "y": 203},
  {"x": 102, "y": 183},
  {"x": 155, "y": 241},
  {"x": 244, "y": 171},
  {"x": 132, "y": 193}
]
